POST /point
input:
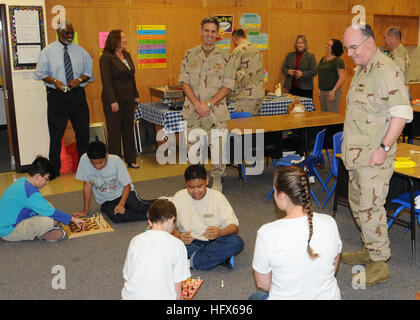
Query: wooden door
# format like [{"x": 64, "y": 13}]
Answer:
[
  {"x": 178, "y": 41},
  {"x": 314, "y": 27},
  {"x": 283, "y": 30}
]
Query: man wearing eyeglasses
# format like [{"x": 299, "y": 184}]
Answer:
[
  {"x": 65, "y": 68},
  {"x": 207, "y": 76},
  {"x": 377, "y": 109}
]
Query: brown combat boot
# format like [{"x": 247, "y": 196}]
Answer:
[
  {"x": 376, "y": 272},
  {"x": 358, "y": 257}
]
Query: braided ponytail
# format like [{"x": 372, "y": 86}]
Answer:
[
  {"x": 307, "y": 207},
  {"x": 294, "y": 182}
]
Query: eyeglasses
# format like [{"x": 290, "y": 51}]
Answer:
[
  {"x": 46, "y": 178},
  {"x": 67, "y": 32},
  {"x": 354, "y": 47}
]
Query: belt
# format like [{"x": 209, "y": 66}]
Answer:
[{"x": 49, "y": 89}]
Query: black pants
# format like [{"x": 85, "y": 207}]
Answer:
[
  {"x": 62, "y": 107},
  {"x": 135, "y": 208},
  {"x": 301, "y": 93},
  {"x": 119, "y": 127}
]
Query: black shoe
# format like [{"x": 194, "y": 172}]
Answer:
[{"x": 228, "y": 263}]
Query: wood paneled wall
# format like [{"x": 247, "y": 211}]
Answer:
[{"x": 319, "y": 20}]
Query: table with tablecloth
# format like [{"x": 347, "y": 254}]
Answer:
[{"x": 172, "y": 121}]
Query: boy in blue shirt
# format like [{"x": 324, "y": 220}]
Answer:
[{"x": 25, "y": 214}]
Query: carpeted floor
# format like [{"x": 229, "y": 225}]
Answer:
[{"x": 92, "y": 265}]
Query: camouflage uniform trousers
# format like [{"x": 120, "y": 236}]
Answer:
[
  {"x": 207, "y": 124},
  {"x": 368, "y": 189},
  {"x": 252, "y": 106}
]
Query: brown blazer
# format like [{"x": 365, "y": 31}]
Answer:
[{"x": 118, "y": 83}]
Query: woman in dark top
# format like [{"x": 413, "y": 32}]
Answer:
[
  {"x": 299, "y": 67},
  {"x": 119, "y": 96},
  {"x": 331, "y": 76}
]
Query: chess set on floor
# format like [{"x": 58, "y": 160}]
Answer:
[
  {"x": 93, "y": 225},
  {"x": 190, "y": 287}
]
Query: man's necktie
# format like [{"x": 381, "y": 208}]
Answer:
[{"x": 67, "y": 65}]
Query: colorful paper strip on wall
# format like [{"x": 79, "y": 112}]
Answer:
[
  {"x": 102, "y": 39},
  {"x": 151, "y": 46}
]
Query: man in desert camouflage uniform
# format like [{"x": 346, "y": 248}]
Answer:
[
  {"x": 249, "y": 93},
  {"x": 207, "y": 76},
  {"x": 398, "y": 52},
  {"x": 377, "y": 109}
]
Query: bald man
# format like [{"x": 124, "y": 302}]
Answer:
[
  {"x": 398, "y": 53},
  {"x": 377, "y": 109},
  {"x": 66, "y": 69}
]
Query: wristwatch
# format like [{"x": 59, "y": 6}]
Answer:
[
  {"x": 385, "y": 147},
  {"x": 208, "y": 103},
  {"x": 80, "y": 80}
]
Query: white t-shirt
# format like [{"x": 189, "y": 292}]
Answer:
[
  {"x": 281, "y": 248},
  {"x": 196, "y": 215},
  {"x": 155, "y": 261},
  {"x": 108, "y": 183}
]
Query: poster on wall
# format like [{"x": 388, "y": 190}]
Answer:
[
  {"x": 225, "y": 23},
  {"x": 260, "y": 40},
  {"x": 223, "y": 43},
  {"x": 102, "y": 39},
  {"x": 250, "y": 21},
  {"x": 27, "y": 34},
  {"x": 151, "y": 46}
]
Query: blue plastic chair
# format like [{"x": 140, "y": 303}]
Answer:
[
  {"x": 310, "y": 162},
  {"x": 337, "y": 141},
  {"x": 404, "y": 201},
  {"x": 239, "y": 115}
]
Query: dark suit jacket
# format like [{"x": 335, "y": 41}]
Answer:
[
  {"x": 118, "y": 83},
  {"x": 307, "y": 65}
]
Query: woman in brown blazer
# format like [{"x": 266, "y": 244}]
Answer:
[{"x": 119, "y": 96}]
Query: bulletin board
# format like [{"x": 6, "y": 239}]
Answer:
[{"x": 27, "y": 34}]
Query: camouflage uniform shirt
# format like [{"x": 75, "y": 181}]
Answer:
[
  {"x": 376, "y": 94},
  {"x": 206, "y": 76},
  {"x": 249, "y": 72},
  {"x": 400, "y": 57}
]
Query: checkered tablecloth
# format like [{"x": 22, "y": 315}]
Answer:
[{"x": 172, "y": 121}]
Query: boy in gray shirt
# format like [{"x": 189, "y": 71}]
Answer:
[{"x": 107, "y": 177}]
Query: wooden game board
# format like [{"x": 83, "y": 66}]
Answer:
[
  {"x": 94, "y": 225},
  {"x": 190, "y": 287}
]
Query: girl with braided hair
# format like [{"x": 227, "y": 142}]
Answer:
[{"x": 297, "y": 256}]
